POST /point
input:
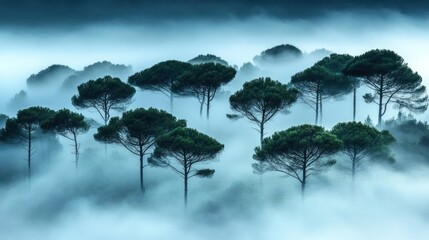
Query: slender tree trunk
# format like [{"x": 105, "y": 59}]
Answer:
[
  {"x": 76, "y": 150},
  {"x": 354, "y": 103},
  {"x": 142, "y": 189},
  {"x": 321, "y": 112},
  {"x": 171, "y": 102},
  {"x": 186, "y": 191},
  {"x": 208, "y": 103},
  {"x": 317, "y": 108},
  {"x": 380, "y": 106},
  {"x": 202, "y": 103},
  {"x": 29, "y": 157}
]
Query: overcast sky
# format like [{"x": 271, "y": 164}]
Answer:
[{"x": 52, "y": 13}]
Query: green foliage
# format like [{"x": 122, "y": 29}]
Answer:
[
  {"x": 138, "y": 129},
  {"x": 319, "y": 82},
  {"x": 391, "y": 79},
  {"x": 209, "y": 58},
  {"x": 203, "y": 81},
  {"x": 104, "y": 94},
  {"x": 261, "y": 99},
  {"x": 159, "y": 77},
  {"x": 361, "y": 141},
  {"x": 298, "y": 151},
  {"x": 66, "y": 123}
]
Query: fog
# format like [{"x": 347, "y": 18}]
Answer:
[{"x": 102, "y": 200}]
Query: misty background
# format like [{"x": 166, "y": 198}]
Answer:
[{"x": 102, "y": 200}]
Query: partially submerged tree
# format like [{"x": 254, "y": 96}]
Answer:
[
  {"x": 203, "y": 82},
  {"x": 160, "y": 77},
  {"x": 298, "y": 151},
  {"x": 391, "y": 79},
  {"x": 69, "y": 125},
  {"x": 360, "y": 142},
  {"x": 318, "y": 83},
  {"x": 261, "y": 99},
  {"x": 137, "y": 131},
  {"x": 104, "y": 94},
  {"x": 186, "y": 147}
]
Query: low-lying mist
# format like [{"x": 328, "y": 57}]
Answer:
[{"x": 102, "y": 198}]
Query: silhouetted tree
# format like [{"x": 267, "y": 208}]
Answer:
[
  {"x": 261, "y": 99},
  {"x": 278, "y": 53},
  {"x": 203, "y": 81},
  {"x": 137, "y": 131},
  {"x": 392, "y": 80},
  {"x": 360, "y": 141},
  {"x": 160, "y": 77},
  {"x": 69, "y": 125},
  {"x": 298, "y": 151},
  {"x": 104, "y": 94},
  {"x": 187, "y": 147},
  {"x": 316, "y": 84},
  {"x": 53, "y": 75}
]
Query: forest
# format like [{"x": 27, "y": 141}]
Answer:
[{"x": 214, "y": 120}]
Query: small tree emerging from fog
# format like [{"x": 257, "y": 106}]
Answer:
[
  {"x": 318, "y": 83},
  {"x": 68, "y": 125},
  {"x": 203, "y": 82},
  {"x": 392, "y": 80},
  {"x": 160, "y": 77},
  {"x": 23, "y": 127},
  {"x": 298, "y": 151},
  {"x": 137, "y": 131},
  {"x": 261, "y": 99},
  {"x": 360, "y": 141},
  {"x": 104, "y": 94},
  {"x": 186, "y": 147}
]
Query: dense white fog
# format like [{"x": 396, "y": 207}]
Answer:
[{"x": 102, "y": 200}]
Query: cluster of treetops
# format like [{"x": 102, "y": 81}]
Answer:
[{"x": 298, "y": 152}]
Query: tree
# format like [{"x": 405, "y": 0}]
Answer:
[
  {"x": 203, "y": 81},
  {"x": 104, "y": 94},
  {"x": 187, "y": 147},
  {"x": 283, "y": 52},
  {"x": 69, "y": 125},
  {"x": 160, "y": 77},
  {"x": 261, "y": 99},
  {"x": 23, "y": 127},
  {"x": 336, "y": 63},
  {"x": 207, "y": 59},
  {"x": 391, "y": 79},
  {"x": 298, "y": 151},
  {"x": 3, "y": 119},
  {"x": 137, "y": 131},
  {"x": 316, "y": 84},
  {"x": 360, "y": 141}
]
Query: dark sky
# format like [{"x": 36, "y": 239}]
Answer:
[{"x": 47, "y": 13}]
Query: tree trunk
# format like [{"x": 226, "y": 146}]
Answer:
[
  {"x": 186, "y": 190},
  {"x": 321, "y": 113},
  {"x": 317, "y": 108},
  {"x": 202, "y": 103},
  {"x": 171, "y": 102},
  {"x": 208, "y": 103},
  {"x": 380, "y": 106},
  {"x": 142, "y": 189},
  {"x": 29, "y": 157},
  {"x": 354, "y": 103},
  {"x": 76, "y": 151}
]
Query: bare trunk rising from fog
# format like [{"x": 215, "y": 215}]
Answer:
[
  {"x": 208, "y": 103},
  {"x": 317, "y": 109},
  {"x": 202, "y": 104},
  {"x": 354, "y": 104},
  {"x": 142, "y": 189},
  {"x": 76, "y": 150},
  {"x": 380, "y": 104}
]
